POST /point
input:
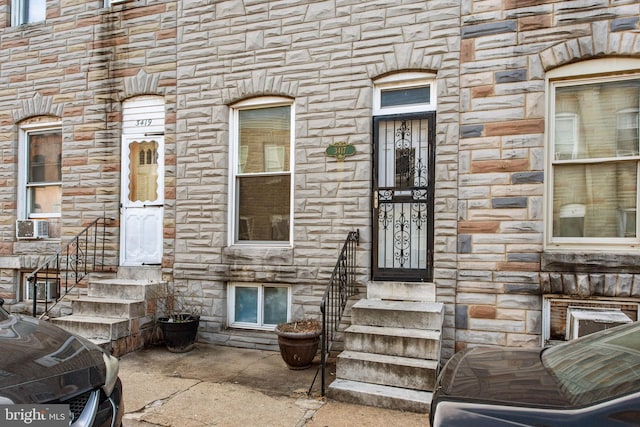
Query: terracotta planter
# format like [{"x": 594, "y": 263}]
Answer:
[
  {"x": 298, "y": 348},
  {"x": 179, "y": 332}
]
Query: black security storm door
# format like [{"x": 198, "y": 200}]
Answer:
[{"x": 403, "y": 198}]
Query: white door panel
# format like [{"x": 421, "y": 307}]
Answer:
[
  {"x": 142, "y": 182},
  {"x": 142, "y": 201},
  {"x": 143, "y": 236}
]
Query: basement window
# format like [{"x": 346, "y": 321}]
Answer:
[{"x": 258, "y": 306}]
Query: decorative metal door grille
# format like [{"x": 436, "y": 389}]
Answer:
[{"x": 403, "y": 197}]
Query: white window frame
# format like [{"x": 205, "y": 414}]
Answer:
[
  {"x": 231, "y": 298},
  {"x": 400, "y": 81},
  {"x": 23, "y": 169},
  {"x": 592, "y": 71},
  {"x": 257, "y": 103},
  {"x": 18, "y": 10}
]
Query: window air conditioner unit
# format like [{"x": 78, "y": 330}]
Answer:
[
  {"x": 32, "y": 229},
  {"x": 46, "y": 291},
  {"x": 582, "y": 321}
]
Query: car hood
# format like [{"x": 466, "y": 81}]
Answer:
[
  {"x": 41, "y": 363},
  {"x": 512, "y": 376}
]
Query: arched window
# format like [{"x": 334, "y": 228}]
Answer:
[
  {"x": 41, "y": 146},
  {"x": 262, "y": 147}
]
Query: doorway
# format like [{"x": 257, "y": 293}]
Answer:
[
  {"x": 403, "y": 197},
  {"x": 142, "y": 182}
]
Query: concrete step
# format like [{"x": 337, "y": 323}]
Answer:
[
  {"x": 108, "y": 307},
  {"x": 106, "y": 328},
  {"x": 128, "y": 289},
  {"x": 398, "y": 314},
  {"x": 402, "y": 291},
  {"x": 380, "y": 396},
  {"x": 144, "y": 273},
  {"x": 405, "y": 372},
  {"x": 403, "y": 342}
]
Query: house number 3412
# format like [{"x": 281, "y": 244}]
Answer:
[{"x": 143, "y": 122}]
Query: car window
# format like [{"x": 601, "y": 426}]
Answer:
[{"x": 597, "y": 367}]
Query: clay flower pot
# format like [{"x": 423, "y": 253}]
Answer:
[{"x": 298, "y": 342}]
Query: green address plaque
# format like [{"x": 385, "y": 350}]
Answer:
[{"x": 340, "y": 150}]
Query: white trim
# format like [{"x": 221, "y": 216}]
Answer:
[
  {"x": 24, "y": 130},
  {"x": 257, "y": 103},
  {"x": 396, "y": 78},
  {"x": 232, "y": 286},
  {"x": 143, "y": 120},
  {"x": 582, "y": 73},
  {"x": 404, "y": 80},
  {"x": 595, "y": 67},
  {"x": 18, "y": 11},
  {"x": 262, "y": 102}
]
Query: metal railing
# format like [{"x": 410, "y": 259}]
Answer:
[
  {"x": 341, "y": 286},
  {"x": 80, "y": 256}
]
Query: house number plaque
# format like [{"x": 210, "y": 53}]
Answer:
[{"x": 340, "y": 150}]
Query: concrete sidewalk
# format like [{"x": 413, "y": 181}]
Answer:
[{"x": 226, "y": 386}]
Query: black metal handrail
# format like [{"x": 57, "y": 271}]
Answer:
[
  {"x": 341, "y": 286},
  {"x": 80, "y": 256}
]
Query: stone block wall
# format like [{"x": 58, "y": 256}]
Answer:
[
  {"x": 324, "y": 55},
  {"x": 489, "y": 57},
  {"x": 76, "y": 68},
  {"x": 506, "y": 49}
]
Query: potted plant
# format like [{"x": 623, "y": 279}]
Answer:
[
  {"x": 298, "y": 342},
  {"x": 178, "y": 320}
]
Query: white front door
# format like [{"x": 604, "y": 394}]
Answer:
[{"x": 142, "y": 204}]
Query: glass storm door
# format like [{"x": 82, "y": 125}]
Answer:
[
  {"x": 142, "y": 201},
  {"x": 403, "y": 197}
]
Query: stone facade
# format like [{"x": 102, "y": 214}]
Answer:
[
  {"x": 490, "y": 59},
  {"x": 506, "y": 49}
]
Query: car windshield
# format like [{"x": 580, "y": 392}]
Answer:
[{"x": 597, "y": 367}]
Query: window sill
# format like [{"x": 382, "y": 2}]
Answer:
[
  {"x": 251, "y": 327},
  {"x": 257, "y": 254},
  {"x": 590, "y": 262}
]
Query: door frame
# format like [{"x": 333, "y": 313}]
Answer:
[
  {"x": 143, "y": 119},
  {"x": 405, "y": 274}
]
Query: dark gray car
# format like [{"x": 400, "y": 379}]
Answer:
[
  {"x": 41, "y": 363},
  {"x": 591, "y": 381}
]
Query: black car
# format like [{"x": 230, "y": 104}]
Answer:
[
  {"x": 590, "y": 381},
  {"x": 42, "y": 364}
]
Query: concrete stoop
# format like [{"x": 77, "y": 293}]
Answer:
[
  {"x": 381, "y": 396},
  {"x": 117, "y": 314},
  {"x": 391, "y": 351}
]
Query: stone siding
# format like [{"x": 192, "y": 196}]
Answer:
[
  {"x": 506, "y": 49},
  {"x": 76, "y": 68},
  {"x": 489, "y": 57},
  {"x": 323, "y": 55}
]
